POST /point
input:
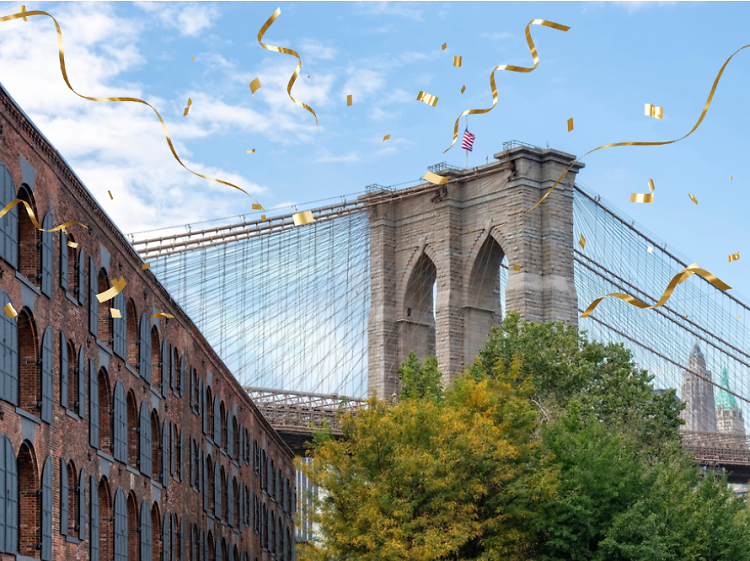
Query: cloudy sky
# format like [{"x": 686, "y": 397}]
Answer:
[{"x": 616, "y": 57}]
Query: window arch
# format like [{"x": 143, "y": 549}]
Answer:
[
  {"x": 144, "y": 351},
  {"x": 145, "y": 439},
  {"x": 120, "y": 424},
  {"x": 71, "y": 258},
  {"x": 156, "y": 447},
  {"x": 133, "y": 534},
  {"x": 121, "y": 527},
  {"x": 9, "y": 501},
  {"x": 105, "y": 412},
  {"x": 211, "y": 546},
  {"x": 8, "y": 342},
  {"x": 236, "y": 439},
  {"x": 29, "y": 502},
  {"x": 132, "y": 339},
  {"x": 166, "y": 537},
  {"x": 223, "y": 425},
  {"x": 29, "y": 385},
  {"x": 156, "y": 542},
  {"x": 217, "y": 421},
  {"x": 273, "y": 481},
  {"x": 178, "y": 530},
  {"x": 134, "y": 449},
  {"x": 224, "y": 512},
  {"x": 103, "y": 522},
  {"x": 145, "y": 530},
  {"x": 74, "y": 505},
  {"x": 29, "y": 240},
  {"x": 9, "y": 222},
  {"x": 208, "y": 414},
  {"x": 155, "y": 360},
  {"x": 234, "y": 512},
  {"x": 217, "y": 490},
  {"x": 265, "y": 528},
  {"x": 105, "y": 333}
]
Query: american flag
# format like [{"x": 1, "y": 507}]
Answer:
[{"x": 468, "y": 141}]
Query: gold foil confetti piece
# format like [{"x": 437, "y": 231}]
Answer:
[
  {"x": 734, "y": 257},
  {"x": 110, "y": 99},
  {"x": 641, "y": 197},
  {"x": 145, "y": 266},
  {"x": 288, "y": 52},
  {"x": 516, "y": 267},
  {"x": 570, "y": 124},
  {"x": 254, "y": 86},
  {"x": 650, "y": 249},
  {"x": 445, "y": 46},
  {"x": 617, "y": 144},
  {"x": 262, "y": 217},
  {"x": 463, "y": 89},
  {"x": 456, "y": 61},
  {"x": 117, "y": 287},
  {"x": 187, "y": 109},
  {"x": 693, "y": 198},
  {"x": 582, "y": 242},
  {"x": 158, "y": 315},
  {"x": 739, "y": 317},
  {"x": 677, "y": 279},
  {"x": 9, "y": 311},
  {"x": 349, "y": 100},
  {"x": 257, "y": 207},
  {"x": 111, "y": 198},
  {"x": 23, "y": 9},
  {"x": 655, "y": 112},
  {"x": 356, "y": 292},
  {"x": 30, "y": 212},
  {"x": 72, "y": 244},
  {"x": 436, "y": 179},
  {"x": 469, "y": 231},
  {"x": 250, "y": 151},
  {"x": 301, "y": 218},
  {"x": 730, "y": 178},
  {"x": 192, "y": 58},
  {"x": 509, "y": 68},
  {"x": 651, "y": 185},
  {"x": 115, "y": 313},
  {"x": 386, "y": 137},
  {"x": 427, "y": 98}
]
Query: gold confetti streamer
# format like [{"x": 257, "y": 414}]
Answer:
[
  {"x": 250, "y": 151},
  {"x": 700, "y": 120},
  {"x": 23, "y": 9},
  {"x": 510, "y": 68},
  {"x": 516, "y": 267},
  {"x": 650, "y": 249},
  {"x": 436, "y": 179},
  {"x": 115, "y": 313},
  {"x": 445, "y": 46},
  {"x": 30, "y": 212},
  {"x": 9, "y": 311},
  {"x": 730, "y": 178},
  {"x": 305, "y": 217},
  {"x": 262, "y": 217},
  {"x": 257, "y": 207},
  {"x": 145, "y": 266},
  {"x": 693, "y": 198},
  {"x": 734, "y": 257},
  {"x": 651, "y": 185},
  {"x": 356, "y": 292},
  {"x": 570, "y": 124},
  {"x": 655, "y": 112},
  {"x": 677, "y": 279},
  {"x": 64, "y": 71},
  {"x": 582, "y": 242},
  {"x": 72, "y": 244},
  {"x": 254, "y": 86},
  {"x": 456, "y": 61},
  {"x": 111, "y": 198},
  {"x": 463, "y": 89},
  {"x": 349, "y": 100},
  {"x": 287, "y": 52},
  {"x": 187, "y": 109},
  {"x": 641, "y": 197},
  {"x": 427, "y": 98},
  {"x": 386, "y": 137},
  {"x": 117, "y": 287},
  {"x": 162, "y": 315}
]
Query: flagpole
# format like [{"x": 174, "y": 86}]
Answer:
[{"x": 467, "y": 152}]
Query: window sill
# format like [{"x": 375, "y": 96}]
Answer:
[
  {"x": 28, "y": 415},
  {"x": 132, "y": 470},
  {"x": 157, "y": 484},
  {"x": 69, "y": 413},
  {"x": 132, "y": 370},
  {"x": 105, "y": 456},
  {"x": 28, "y": 283},
  {"x": 71, "y": 298},
  {"x": 71, "y": 539},
  {"x": 156, "y": 393},
  {"x": 103, "y": 346}
]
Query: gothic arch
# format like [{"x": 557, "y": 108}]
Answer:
[{"x": 417, "y": 319}]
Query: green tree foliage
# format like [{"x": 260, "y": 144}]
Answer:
[{"x": 549, "y": 448}]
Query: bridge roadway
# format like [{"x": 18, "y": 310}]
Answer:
[{"x": 294, "y": 414}]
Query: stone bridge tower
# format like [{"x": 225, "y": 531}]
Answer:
[{"x": 457, "y": 234}]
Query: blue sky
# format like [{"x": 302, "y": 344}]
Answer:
[{"x": 616, "y": 57}]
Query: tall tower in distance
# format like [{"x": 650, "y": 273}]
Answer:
[
  {"x": 698, "y": 394},
  {"x": 729, "y": 418}
]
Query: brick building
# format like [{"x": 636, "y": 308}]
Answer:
[{"x": 120, "y": 439}]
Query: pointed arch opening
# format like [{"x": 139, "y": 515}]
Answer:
[
  {"x": 106, "y": 521},
  {"x": 155, "y": 360},
  {"x": 133, "y": 438},
  {"x": 105, "y": 334},
  {"x": 29, "y": 364},
  {"x": 417, "y": 323},
  {"x": 29, "y": 502},
  {"x": 134, "y": 541},
  {"x": 29, "y": 241},
  {"x": 131, "y": 331},
  {"x": 105, "y": 412},
  {"x": 157, "y": 448}
]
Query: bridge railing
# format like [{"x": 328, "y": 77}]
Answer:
[{"x": 717, "y": 448}]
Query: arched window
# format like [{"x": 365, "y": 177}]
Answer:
[
  {"x": 73, "y": 504},
  {"x": 194, "y": 390},
  {"x": 134, "y": 541},
  {"x": 223, "y": 427},
  {"x": 120, "y": 424},
  {"x": 265, "y": 527},
  {"x": 144, "y": 351},
  {"x": 29, "y": 241},
  {"x": 179, "y": 453},
  {"x": 211, "y": 547},
  {"x": 156, "y": 542},
  {"x": 134, "y": 449},
  {"x": 8, "y": 340},
  {"x": 224, "y": 496},
  {"x": 9, "y": 500},
  {"x": 121, "y": 527},
  {"x": 146, "y": 535},
  {"x": 178, "y": 530},
  {"x": 156, "y": 447},
  {"x": 93, "y": 302},
  {"x": 175, "y": 371},
  {"x": 105, "y": 412},
  {"x": 119, "y": 327},
  {"x": 145, "y": 439},
  {"x": 166, "y": 537},
  {"x": 166, "y": 452},
  {"x": 71, "y": 258},
  {"x": 132, "y": 341},
  {"x": 273, "y": 481},
  {"x": 46, "y": 283},
  {"x": 217, "y": 421},
  {"x": 208, "y": 414},
  {"x": 233, "y": 519},
  {"x": 30, "y": 372},
  {"x": 209, "y": 484},
  {"x": 155, "y": 360},
  {"x": 9, "y": 222},
  {"x": 236, "y": 439},
  {"x": 29, "y": 502},
  {"x": 105, "y": 317},
  {"x": 217, "y": 490},
  {"x": 102, "y": 522}
]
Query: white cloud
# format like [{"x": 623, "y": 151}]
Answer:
[
  {"x": 316, "y": 50},
  {"x": 189, "y": 20},
  {"x": 398, "y": 9},
  {"x": 328, "y": 157},
  {"x": 496, "y": 36}
]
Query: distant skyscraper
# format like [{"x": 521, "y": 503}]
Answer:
[
  {"x": 698, "y": 394},
  {"x": 729, "y": 418}
]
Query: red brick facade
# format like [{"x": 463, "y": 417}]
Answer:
[{"x": 197, "y": 533}]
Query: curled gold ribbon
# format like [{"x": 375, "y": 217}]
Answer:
[
  {"x": 693, "y": 198},
  {"x": 677, "y": 279},
  {"x": 30, "y": 212},
  {"x": 286, "y": 52},
  {"x": 117, "y": 287},
  {"x": 435, "y": 178},
  {"x": 158, "y": 315},
  {"x": 9, "y": 311},
  {"x": 734, "y": 257},
  {"x": 510, "y": 68},
  {"x": 61, "y": 52},
  {"x": 700, "y": 120}
]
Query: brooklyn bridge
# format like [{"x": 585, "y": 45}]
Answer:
[{"x": 313, "y": 319}]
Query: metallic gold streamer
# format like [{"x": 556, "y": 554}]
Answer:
[
  {"x": 257, "y": 207},
  {"x": 187, "y": 109},
  {"x": 192, "y": 58},
  {"x": 463, "y": 89},
  {"x": 72, "y": 244},
  {"x": 111, "y": 198},
  {"x": 30, "y": 212},
  {"x": 730, "y": 178},
  {"x": 386, "y": 137},
  {"x": 570, "y": 124},
  {"x": 349, "y": 100},
  {"x": 655, "y": 112},
  {"x": 117, "y": 287},
  {"x": 436, "y": 179},
  {"x": 145, "y": 266},
  {"x": 427, "y": 98},
  {"x": 734, "y": 257},
  {"x": 641, "y": 197},
  {"x": 677, "y": 279},
  {"x": 651, "y": 185},
  {"x": 64, "y": 71},
  {"x": 9, "y": 311},
  {"x": 23, "y": 9},
  {"x": 510, "y": 68},
  {"x": 262, "y": 217},
  {"x": 301, "y": 218},
  {"x": 250, "y": 151},
  {"x": 162, "y": 315},
  {"x": 693, "y": 198},
  {"x": 115, "y": 313},
  {"x": 616, "y": 144},
  {"x": 456, "y": 61},
  {"x": 287, "y": 52},
  {"x": 582, "y": 242},
  {"x": 254, "y": 86}
]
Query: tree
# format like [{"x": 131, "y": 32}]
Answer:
[{"x": 419, "y": 380}]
